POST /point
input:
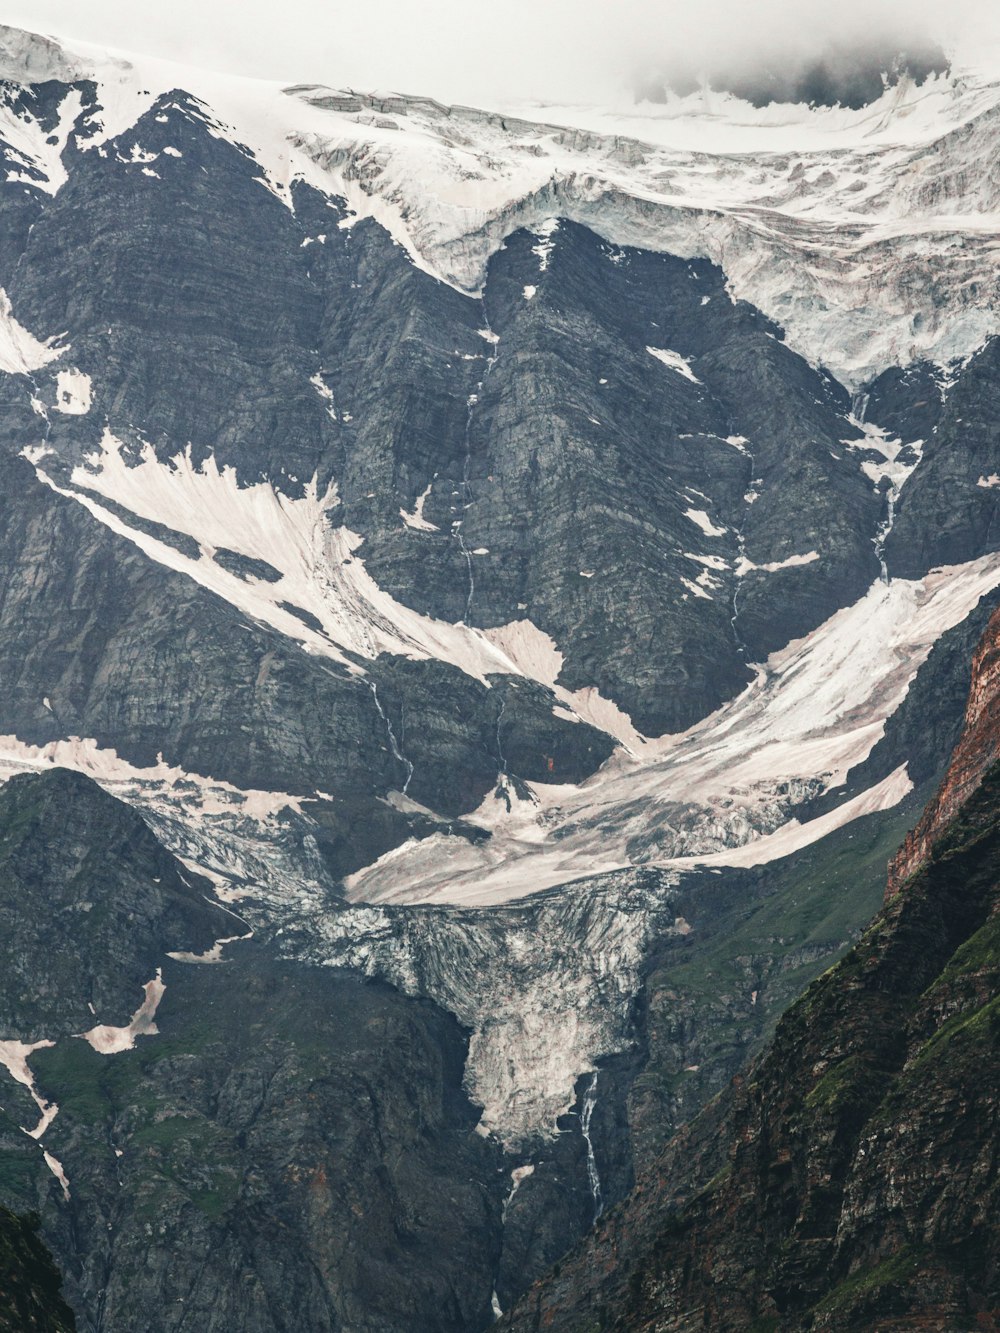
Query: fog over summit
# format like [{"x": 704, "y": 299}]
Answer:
[
  {"x": 848, "y": 73},
  {"x": 594, "y": 51}
]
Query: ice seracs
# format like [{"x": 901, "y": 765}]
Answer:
[{"x": 826, "y": 219}]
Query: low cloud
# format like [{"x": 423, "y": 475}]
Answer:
[{"x": 585, "y": 50}]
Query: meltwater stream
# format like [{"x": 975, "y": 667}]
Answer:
[{"x": 586, "y": 1115}]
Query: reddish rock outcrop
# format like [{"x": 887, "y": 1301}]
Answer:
[{"x": 977, "y": 750}]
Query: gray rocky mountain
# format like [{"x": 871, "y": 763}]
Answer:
[{"x": 480, "y": 600}]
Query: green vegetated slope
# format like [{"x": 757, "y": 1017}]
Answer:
[
  {"x": 858, "y": 1186},
  {"x": 759, "y": 938},
  {"x": 292, "y": 1137}
]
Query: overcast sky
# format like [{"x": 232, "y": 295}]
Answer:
[{"x": 469, "y": 50}]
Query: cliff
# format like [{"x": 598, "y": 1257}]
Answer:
[
  {"x": 848, "y": 1179},
  {"x": 978, "y": 748}
]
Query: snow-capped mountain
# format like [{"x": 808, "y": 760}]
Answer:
[{"x": 476, "y": 542}]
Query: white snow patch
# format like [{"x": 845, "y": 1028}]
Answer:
[
  {"x": 112, "y": 1041},
  {"x": 320, "y": 570},
  {"x": 324, "y": 391},
  {"x": 21, "y": 353},
  {"x": 41, "y": 149},
  {"x": 14, "y": 1056},
  {"x": 73, "y": 392},
  {"x": 533, "y": 652},
  {"x": 530, "y": 292},
  {"x": 416, "y": 520},
  {"x": 701, "y": 520},
  {"x": 605, "y": 715},
  {"x": 709, "y": 561},
  {"x": 889, "y": 466},
  {"x": 138, "y": 155},
  {"x": 213, "y": 955},
  {"x": 816, "y": 708},
  {"x": 56, "y": 1167},
  {"x": 674, "y": 361},
  {"x": 546, "y": 242},
  {"x": 744, "y": 566},
  {"x": 696, "y": 589},
  {"x": 111, "y": 771},
  {"x": 990, "y": 482}
]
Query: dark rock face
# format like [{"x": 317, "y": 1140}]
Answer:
[
  {"x": 185, "y": 267},
  {"x": 89, "y": 903},
  {"x": 977, "y": 752},
  {"x": 948, "y": 508},
  {"x": 711, "y": 999},
  {"x": 860, "y": 1186},
  {"x": 294, "y": 1138},
  {"x": 602, "y": 443},
  {"x": 308, "y": 1154},
  {"x": 583, "y": 442},
  {"x": 30, "y": 1299},
  {"x": 539, "y": 433},
  {"x": 459, "y": 734},
  {"x": 109, "y": 638}
]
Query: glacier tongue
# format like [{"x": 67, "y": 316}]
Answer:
[{"x": 546, "y": 986}]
